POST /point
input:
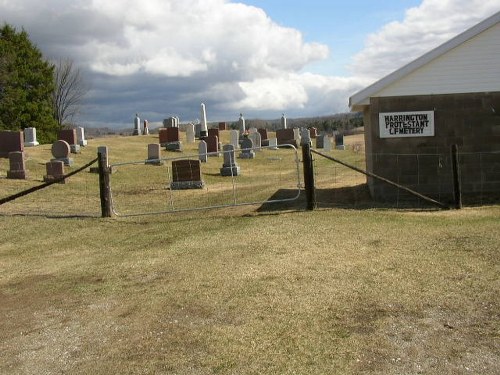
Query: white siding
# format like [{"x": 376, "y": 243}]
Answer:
[{"x": 473, "y": 66}]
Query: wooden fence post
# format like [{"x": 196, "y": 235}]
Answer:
[
  {"x": 104, "y": 186},
  {"x": 308, "y": 176},
  {"x": 457, "y": 188}
]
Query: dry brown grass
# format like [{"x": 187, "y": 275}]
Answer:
[{"x": 238, "y": 291}]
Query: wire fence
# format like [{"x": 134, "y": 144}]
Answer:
[{"x": 148, "y": 187}]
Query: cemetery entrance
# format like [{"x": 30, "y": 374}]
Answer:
[{"x": 207, "y": 180}]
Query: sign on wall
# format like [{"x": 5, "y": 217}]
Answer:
[{"x": 406, "y": 124}]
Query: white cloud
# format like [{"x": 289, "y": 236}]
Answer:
[{"x": 423, "y": 28}]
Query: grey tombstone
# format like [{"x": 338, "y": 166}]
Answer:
[
  {"x": 80, "y": 136},
  {"x": 137, "y": 125},
  {"x": 273, "y": 143},
  {"x": 60, "y": 151},
  {"x": 296, "y": 135},
  {"x": 202, "y": 151},
  {"x": 17, "y": 166},
  {"x": 247, "y": 151},
  {"x": 197, "y": 130},
  {"x": 320, "y": 141},
  {"x": 30, "y": 137},
  {"x": 241, "y": 124},
  {"x": 154, "y": 154},
  {"x": 235, "y": 139},
  {"x": 145, "y": 129},
  {"x": 327, "y": 143},
  {"x": 190, "y": 133},
  {"x": 169, "y": 122},
  {"x": 229, "y": 168},
  {"x": 339, "y": 142},
  {"x": 256, "y": 140}
]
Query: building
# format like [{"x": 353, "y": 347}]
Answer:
[{"x": 450, "y": 95}]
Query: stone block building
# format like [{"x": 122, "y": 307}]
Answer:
[{"x": 412, "y": 117}]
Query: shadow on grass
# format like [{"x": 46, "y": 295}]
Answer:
[{"x": 351, "y": 197}]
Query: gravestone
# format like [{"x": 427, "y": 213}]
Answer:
[
  {"x": 170, "y": 122},
  {"x": 162, "y": 137},
  {"x": 296, "y": 135},
  {"x": 212, "y": 145},
  {"x": 286, "y": 136},
  {"x": 55, "y": 170},
  {"x": 241, "y": 124},
  {"x": 154, "y": 154},
  {"x": 80, "y": 136},
  {"x": 60, "y": 151},
  {"x": 247, "y": 151},
  {"x": 17, "y": 166},
  {"x": 137, "y": 125},
  {"x": 203, "y": 122},
  {"x": 235, "y": 139},
  {"x": 339, "y": 142},
  {"x": 252, "y": 130},
  {"x": 190, "y": 134},
  {"x": 320, "y": 141},
  {"x": 202, "y": 151},
  {"x": 283, "y": 121},
  {"x": 313, "y": 132},
  {"x": 197, "y": 130},
  {"x": 30, "y": 137},
  {"x": 186, "y": 174},
  {"x": 263, "y": 137},
  {"x": 173, "y": 142},
  {"x": 229, "y": 167},
  {"x": 145, "y": 129},
  {"x": 69, "y": 135},
  {"x": 327, "y": 143},
  {"x": 222, "y": 126},
  {"x": 10, "y": 141},
  {"x": 256, "y": 140},
  {"x": 273, "y": 143},
  {"x": 213, "y": 132}
]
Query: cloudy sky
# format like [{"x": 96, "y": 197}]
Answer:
[{"x": 161, "y": 58}]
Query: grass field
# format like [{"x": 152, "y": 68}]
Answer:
[{"x": 242, "y": 290}]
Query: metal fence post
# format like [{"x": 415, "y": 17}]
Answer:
[
  {"x": 104, "y": 186},
  {"x": 308, "y": 176}
]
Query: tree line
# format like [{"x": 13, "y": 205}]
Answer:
[{"x": 33, "y": 91}]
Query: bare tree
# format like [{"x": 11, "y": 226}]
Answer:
[{"x": 69, "y": 91}]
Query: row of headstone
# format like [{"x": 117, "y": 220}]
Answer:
[{"x": 171, "y": 122}]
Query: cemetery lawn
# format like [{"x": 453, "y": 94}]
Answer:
[{"x": 243, "y": 291}]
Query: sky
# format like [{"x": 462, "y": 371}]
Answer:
[{"x": 261, "y": 58}]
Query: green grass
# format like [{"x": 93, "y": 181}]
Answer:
[{"x": 238, "y": 291}]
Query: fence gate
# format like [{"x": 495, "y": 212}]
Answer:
[{"x": 160, "y": 186}]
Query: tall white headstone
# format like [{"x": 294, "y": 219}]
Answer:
[
  {"x": 190, "y": 133},
  {"x": 30, "y": 137},
  {"x": 80, "y": 136},
  {"x": 204, "y": 127},
  {"x": 202, "y": 151},
  {"x": 137, "y": 125},
  {"x": 283, "y": 121},
  {"x": 241, "y": 122}
]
